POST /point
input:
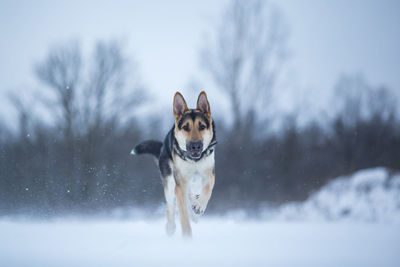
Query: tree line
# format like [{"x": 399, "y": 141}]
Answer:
[{"x": 77, "y": 159}]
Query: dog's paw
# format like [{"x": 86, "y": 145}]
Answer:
[
  {"x": 197, "y": 209},
  {"x": 197, "y": 206}
]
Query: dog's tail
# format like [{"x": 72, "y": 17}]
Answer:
[{"x": 148, "y": 147}]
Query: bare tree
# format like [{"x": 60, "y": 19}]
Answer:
[
  {"x": 108, "y": 95},
  {"x": 359, "y": 101},
  {"x": 366, "y": 113},
  {"x": 94, "y": 98},
  {"x": 92, "y": 93},
  {"x": 246, "y": 57},
  {"x": 61, "y": 71}
]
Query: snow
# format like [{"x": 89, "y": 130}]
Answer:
[
  {"x": 216, "y": 242},
  {"x": 352, "y": 221},
  {"x": 370, "y": 195}
]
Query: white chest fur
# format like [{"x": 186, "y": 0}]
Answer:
[{"x": 196, "y": 174}]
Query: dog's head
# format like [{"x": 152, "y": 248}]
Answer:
[{"x": 193, "y": 127}]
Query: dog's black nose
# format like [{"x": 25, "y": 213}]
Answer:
[{"x": 194, "y": 146}]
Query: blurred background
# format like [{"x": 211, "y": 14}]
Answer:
[{"x": 302, "y": 92}]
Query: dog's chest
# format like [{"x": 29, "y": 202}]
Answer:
[{"x": 196, "y": 174}]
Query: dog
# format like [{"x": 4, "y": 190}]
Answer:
[{"x": 186, "y": 161}]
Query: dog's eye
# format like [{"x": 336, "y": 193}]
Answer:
[
  {"x": 201, "y": 126},
  {"x": 186, "y": 127}
]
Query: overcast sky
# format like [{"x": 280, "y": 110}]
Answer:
[{"x": 327, "y": 38}]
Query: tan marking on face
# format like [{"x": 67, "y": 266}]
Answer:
[{"x": 193, "y": 131}]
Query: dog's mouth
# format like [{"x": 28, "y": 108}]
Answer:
[{"x": 195, "y": 154}]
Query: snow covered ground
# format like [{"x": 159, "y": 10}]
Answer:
[
  {"x": 352, "y": 221},
  {"x": 216, "y": 242},
  {"x": 370, "y": 195}
]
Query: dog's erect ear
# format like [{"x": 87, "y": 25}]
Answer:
[
  {"x": 179, "y": 105},
  {"x": 202, "y": 103}
]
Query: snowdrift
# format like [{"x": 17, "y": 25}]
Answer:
[{"x": 371, "y": 195}]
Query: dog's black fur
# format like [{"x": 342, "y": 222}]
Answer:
[{"x": 163, "y": 151}]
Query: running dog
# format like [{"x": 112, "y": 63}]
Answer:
[{"x": 186, "y": 161}]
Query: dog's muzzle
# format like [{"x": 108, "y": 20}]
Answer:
[{"x": 194, "y": 149}]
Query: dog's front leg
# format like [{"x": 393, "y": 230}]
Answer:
[
  {"x": 200, "y": 205},
  {"x": 181, "y": 201},
  {"x": 169, "y": 191}
]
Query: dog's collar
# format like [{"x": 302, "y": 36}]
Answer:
[{"x": 186, "y": 156}]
